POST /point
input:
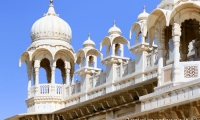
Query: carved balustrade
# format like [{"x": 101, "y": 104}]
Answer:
[
  {"x": 47, "y": 90},
  {"x": 184, "y": 92}
]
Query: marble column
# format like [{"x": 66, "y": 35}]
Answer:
[
  {"x": 113, "y": 49},
  {"x": 176, "y": 33},
  {"x": 68, "y": 77},
  {"x": 36, "y": 76},
  {"x": 53, "y": 74},
  {"x": 122, "y": 50},
  {"x": 29, "y": 81},
  {"x": 161, "y": 46}
]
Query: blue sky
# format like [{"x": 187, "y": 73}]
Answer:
[{"x": 84, "y": 16}]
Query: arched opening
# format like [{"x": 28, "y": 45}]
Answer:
[
  {"x": 117, "y": 49},
  {"x": 60, "y": 72},
  {"x": 45, "y": 64},
  {"x": 190, "y": 40},
  {"x": 91, "y": 61},
  {"x": 32, "y": 74},
  {"x": 169, "y": 45}
]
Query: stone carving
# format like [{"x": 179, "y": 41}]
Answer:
[
  {"x": 91, "y": 82},
  {"x": 148, "y": 57},
  {"x": 118, "y": 71},
  {"x": 176, "y": 30},
  {"x": 73, "y": 89},
  {"x": 125, "y": 68},
  {"x": 67, "y": 91},
  {"x": 168, "y": 75},
  {"x": 191, "y": 71}
]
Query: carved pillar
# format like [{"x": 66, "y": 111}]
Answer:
[
  {"x": 53, "y": 74},
  {"x": 36, "y": 71},
  {"x": 29, "y": 71},
  {"x": 68, "y": 76},
  {"x": 95, "y": 61},
  {"x": 113, "y": 49},
  {"x": 161, "y": 46},
  {"x": 87, "y": 61},
  {"x": 176, "y": 33},
  {"x": 122, "y": 50},
  {"x": 36, "y": 75}
]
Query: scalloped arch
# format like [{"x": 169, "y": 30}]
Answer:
[
  {"x": 42, "y": 53},
  {"x": 65, "y": 52},
  {"x": 186, "y": 7}
]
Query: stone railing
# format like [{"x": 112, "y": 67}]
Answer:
[
  {"x": 71, "y": 89},
  {"x": 177, "y": 94},
  {"x": 97, "y": 80},
  {"x": 152, "y": 58},
  {"x": 188, "y": 71},
  {"x": 127, "y": 69},
  {"x": 47, "y": 90}
]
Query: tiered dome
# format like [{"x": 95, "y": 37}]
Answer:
[
  {"x": 51, "y": 27},
  {"x": 114, "y": 30},
  {"x": 144, "y": 15},
  {"x": 89, "y": 42}
]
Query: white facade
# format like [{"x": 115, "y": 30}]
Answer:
[{"x": 165, "y": 71}]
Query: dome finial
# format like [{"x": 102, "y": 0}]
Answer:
[
  {"x": 144, "y": 9},
  {"x": 114, "y": 23},
  {"x": 51, "y": 10},
  {"x": 88, "y": 36}
]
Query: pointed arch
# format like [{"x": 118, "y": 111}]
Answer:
[
  {"x": 42, "y": 53},
  {"x": 80, "y": 53},
  {"x": 157, "y": 15},
  {"x": 93, "y": 52},
  {"x": 122, "y": 40},
  {"x": 24, "y": 57},
  {"x": 136, "y": 27},
  {"x": 68, "y": 54},
  {"x": 106, "y": 41}
]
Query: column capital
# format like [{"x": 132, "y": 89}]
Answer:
[
  {"x": 67, "y": 71},
  {"x": 53, "y": 68},
  {"x": 176, "y": 30}
]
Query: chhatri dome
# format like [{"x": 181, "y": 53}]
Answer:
[
  {"x": 114, "y": 30},
  {"x": 144, "y": 15},
  {"x": 51, "y": 27},
  {"x": 88, "y": 42}
]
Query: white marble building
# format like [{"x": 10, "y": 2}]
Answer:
[{"x": 162, "y": 82}]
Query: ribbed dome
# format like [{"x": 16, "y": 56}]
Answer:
[
  {"x": 114, "y": 30},
  {"x": 144, "y": 15},
  {"x": 89, "y": 42},
  {"x": 51, "y": 27}
]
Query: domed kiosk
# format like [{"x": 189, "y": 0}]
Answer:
[{"x": 50, "y": 49}]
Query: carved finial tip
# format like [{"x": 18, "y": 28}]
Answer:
[
  {"x": 114, "y": 23},
  {"x": 144, "y": 8}
]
